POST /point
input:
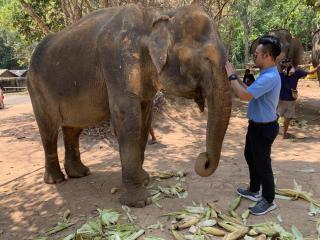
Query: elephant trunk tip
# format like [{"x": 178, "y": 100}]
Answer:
[{"x": 204, "y": 167}]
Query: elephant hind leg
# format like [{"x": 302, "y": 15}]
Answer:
[
  {"x": 49, "y": 136},
  {"x": 72, "y": 162}
]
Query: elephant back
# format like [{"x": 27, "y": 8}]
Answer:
[{"x": 291, "y": 47}]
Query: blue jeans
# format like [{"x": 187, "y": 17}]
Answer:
[{"x": 259, "y": 140}]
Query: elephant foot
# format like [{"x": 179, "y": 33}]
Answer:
[
  {"x": 76, "y": 169},
  {"x": 145, "y": 178},
  {"x": 53, "y": 177},
  {"x": 135, "y": 197}
]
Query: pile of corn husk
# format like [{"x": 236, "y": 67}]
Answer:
[
  {"x": 204, "y": 222},
  {"x": 61, "y": 225},
  {"x": 106, "y": 226},
  {"x": 179, "y": 175},
  {"x": 159, "y": 192},
  {"x": 296, "y": 193}
]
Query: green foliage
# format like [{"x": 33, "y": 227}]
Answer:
[
  {"x": 22, "y": 32},
  {"x": 7, "y": 53},
  {"x": 300, "y": 17},
  {"x": 48, "y": 10},
  {"x": 264, "y": 15}
]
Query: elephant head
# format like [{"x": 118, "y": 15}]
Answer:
[
  {"x": 291, "y": 47},
  {"x": 186, "y": 50},
  {"x": 316, "y": 51}
]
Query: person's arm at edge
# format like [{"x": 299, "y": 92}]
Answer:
[
  {"x": 313, "y": 70},
  {"x": 237, "y": 85}
]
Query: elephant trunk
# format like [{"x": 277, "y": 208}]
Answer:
[{"x": 219, "y": 109}]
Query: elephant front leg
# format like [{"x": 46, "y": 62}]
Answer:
[
  {"x": 128, "y": 127},
  {"x": 72, "y": 162},
  {"x": 146, "y": 119},
  {"x": 133, "y": 175}
]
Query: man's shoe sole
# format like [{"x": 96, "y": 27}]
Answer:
[
  {"x": 274, "y": 206},
  {"x": 250, "y": 197}
]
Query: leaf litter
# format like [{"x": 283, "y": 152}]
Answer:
[{"x": 196, "y": 222}]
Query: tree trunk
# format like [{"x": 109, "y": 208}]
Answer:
[
  {"x": 105, "y": 3},
  {"x": 73, "y": 10},
  {"x": 246, "y": 32},
  {"x": 35, "y": 17},
  {"x": 243, "y": 14}
]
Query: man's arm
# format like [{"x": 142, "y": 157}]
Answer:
[
  {"x": 236, "y": 84},
  {"x": 313, "y": 70}
]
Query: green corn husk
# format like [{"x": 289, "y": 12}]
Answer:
[
  {"x": 235, "y": 215},
  {"x": 120, "y": 231},
  {"x": 136, "y": 235},
  {"x": 230, "y": 219},
  {"x": 297, "y": 193},
  {"x": 227, "y": 226},
  {"x": 297, "y": 234},
  {"x": 213, "y": 231},
  {"x": 196, "y": 209},
  {"x": 153, "y": 238},
  {"x": 238, "y": 234},
  {"x": 177, "y": 236},
  {"x": 108, "y": 216},
  {"x": 63, "y": 224},
  {"x": 90, "y": 230},
  {"x": 215, "y": 210},
  {"x": 245, "y": 215},
  {"x": 235, "y": 204}
]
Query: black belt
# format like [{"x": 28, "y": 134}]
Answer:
[{"x": 262, "y": 123}]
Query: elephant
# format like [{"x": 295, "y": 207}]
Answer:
[
  {"x": 316, "y": 51},
  {"x": 109, "y": 65},
  {"x": 291, "y": 47}
]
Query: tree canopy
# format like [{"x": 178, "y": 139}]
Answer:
[{"x": 23, "y": 23}]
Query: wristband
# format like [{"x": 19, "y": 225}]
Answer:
[{"x": 233, "y": 77}]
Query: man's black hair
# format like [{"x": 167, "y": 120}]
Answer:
[{"x": 271, "y": 44}]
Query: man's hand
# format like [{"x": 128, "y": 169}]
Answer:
[{"x": 230, "y": 68}]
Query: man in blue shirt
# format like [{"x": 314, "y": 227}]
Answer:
[
  {"x": 263, "y": 126},
  {"x": 288, "y": 94}
]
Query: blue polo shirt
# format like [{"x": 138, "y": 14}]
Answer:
[{"x": 265, "y": 91}]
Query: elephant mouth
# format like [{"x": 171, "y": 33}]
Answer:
[{"x": 199, "y": 99}]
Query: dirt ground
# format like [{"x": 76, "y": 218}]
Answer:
[{"x": 29, "y": 207}]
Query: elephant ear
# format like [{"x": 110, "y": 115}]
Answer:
[
  {"x": 159, "y": 41},
  {"x": 211, "y": 52}
]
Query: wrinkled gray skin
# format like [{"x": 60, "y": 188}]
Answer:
[
  {"x": 316, "y": 51},
  {"x": 110, "y": 65},
  {"x": 291, "y": 47}
]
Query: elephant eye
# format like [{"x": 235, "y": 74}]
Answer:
[
  {"x": 207, "y": 59},
  {"x": 196, "y": 76}
]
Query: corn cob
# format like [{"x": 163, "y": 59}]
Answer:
[
  {"x": 252, "y": 232},
  {"x": 230, "y": 219},
  {"x": 261, "y": 237},
  {"x": 227, "y": 226},
  {"x": 177, "y": 236},
  {"x": 245, "y": 215},
  {"x": 187, "y": 224},
  {"x": 213, "y": 213},
  {"x": 236, "y": 234},
  {"x": 213, "y": 231},
  {"x": 297, "y": 194},
  {"x": 235, "y": 203},
  {"x": 214, "y": 208},
  {"x": 235, "y": 215}
]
